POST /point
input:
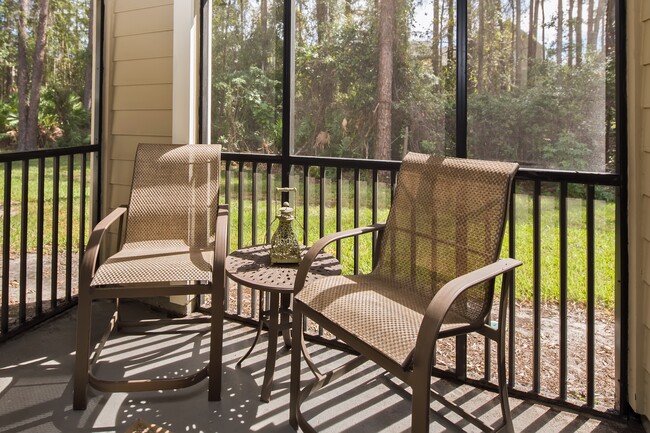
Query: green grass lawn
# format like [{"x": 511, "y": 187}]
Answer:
[
  {"x": 32, "y": 204},
  {"x": 604, "y": 217},
  {"x": 577, "y": 235}
]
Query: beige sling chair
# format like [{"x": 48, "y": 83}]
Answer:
[
  {"x": 434, "y": 278},
  {"x": 175, "y": 244}
]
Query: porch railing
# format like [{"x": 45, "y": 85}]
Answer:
[
  {"x": 335, "y": 194},
  {"x": 44, "y": 231},
  {"x": 45, "y": 220}
]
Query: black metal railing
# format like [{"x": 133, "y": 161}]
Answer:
[
  {"x": 46, "y": 218},
  {"x": 45, "y": 221},
  {"x": 335, "y": 194}
]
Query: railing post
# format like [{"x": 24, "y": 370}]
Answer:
[
  {"x": 6, "y": 231},
  {"x": 39, "y": 235},
  {"x": 24, "y": 197}
]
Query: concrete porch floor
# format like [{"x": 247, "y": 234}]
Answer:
[{"x": 36, "y": 389}]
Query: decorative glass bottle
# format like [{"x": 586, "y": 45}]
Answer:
[{"x": 284, "y": 242}]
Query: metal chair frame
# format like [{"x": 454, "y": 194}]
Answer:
[
  {"x": 417, "y": 373},
  {"x": 83, "y": 374}
]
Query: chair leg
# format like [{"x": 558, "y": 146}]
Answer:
[
  {"x": 503, "y": 386},
  {"x": 215, "y": 366},
  {"x": 421, "y": 403},
  {"x": 506, "y": 292},
  {"x": 272, "y": 348},
  {"x": 82, "y": 357},
  {"x": 294, "y": 386}
]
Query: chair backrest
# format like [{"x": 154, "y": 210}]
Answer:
[
  {"x": 175, "y": 194},
  {"x": 447, "y": 219}
]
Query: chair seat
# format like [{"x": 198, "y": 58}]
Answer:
[
  {"x": 373, "y": 310},
  {"x": 155, "y": 262}
]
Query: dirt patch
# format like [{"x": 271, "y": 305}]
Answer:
[
  {"x": 549, "y": 337},
  {"x": 30, "y": 294},
  {"x": 549, "y": 329}
]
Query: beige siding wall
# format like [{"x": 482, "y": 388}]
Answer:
[
  {"x": 140, "y": 93},
  {"x": 137, "y": 87},
  {"x": 639, "y": 205}
]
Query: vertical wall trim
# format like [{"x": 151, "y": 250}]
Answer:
[
  {"x": 205, "y": 73},
  {"x": 622, "y": 244},
  {"x": 185, "y": 72},
  {"x": 97, "y": 110}
]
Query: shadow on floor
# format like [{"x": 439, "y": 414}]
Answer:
[{"x": 36, "y": 390}]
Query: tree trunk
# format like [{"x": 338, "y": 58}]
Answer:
[
  {"x": 450, "y": 32},
  {"x": 322, "y": 23},
  {"x": 88, "y": 84},
  {"x": 435, "y": 40},
  {"x": 23, "y": 75},
  {"x": 558, "y": 43},
  {"x": 591, "y": 29},
  {"x": 518, "y": 45},
  {"x": 571, "y": 27},
  {"x": 6, "y": 78},
  {"x": 7, "y": 82},
  {"x": 598, "y": 21},
  {"x": 579, "y": 33},
  {"x": 242, "y": 17},
  {"x": 264, "y": 14},
  {"x": 225, "y": 38},
  {"x": 543, "y": 30},
  {"x": 323, "y": 84},
  {"x": 531, "y": 30},
  {"x": 38, "y": 67},
  {"x": 532, "y": 36},
  {"x": 513, "y": 47},
  {"x": 480, "y": 45},
  {"x": 385, "y": 79}
]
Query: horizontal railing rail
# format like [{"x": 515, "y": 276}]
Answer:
[
  {"x": 45, "y": 221},
  {"x": 47, "y": 153},
  {"x": 524, "y": 173}
]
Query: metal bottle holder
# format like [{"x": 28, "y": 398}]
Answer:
[{"x": 284, "y": 242}]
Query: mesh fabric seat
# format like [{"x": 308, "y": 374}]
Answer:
[
  {"x": 174, "y": 245},
  {"x": 434, "y": 277}
]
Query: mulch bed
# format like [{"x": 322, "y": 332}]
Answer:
[
  {"x": 604, "y": 372},
  {"x": 30, "y": 283}
]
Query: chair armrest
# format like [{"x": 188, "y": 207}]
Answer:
[
  {"x": 443, "y": 300},
  {"x": 89, "y": 261},
  {"x": 220, "y": 245},
  {"x": 320, "y": 244}
]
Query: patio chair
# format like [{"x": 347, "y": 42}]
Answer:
[
  {"x": 175, "y": 244},
  {"x": 434, "y": 278}
]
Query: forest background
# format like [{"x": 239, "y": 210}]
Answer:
[
  {"x": 373, "y": 78},
  {"x": 377, "y": 78},
  {"x": 45, "y": 73}
]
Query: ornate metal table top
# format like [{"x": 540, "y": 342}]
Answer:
[{"x": 252, "y": 267}]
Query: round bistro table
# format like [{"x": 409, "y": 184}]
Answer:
[{"x": 251, "y": 267}]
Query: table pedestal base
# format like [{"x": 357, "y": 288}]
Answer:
[{"x": 270, "y": 317}]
